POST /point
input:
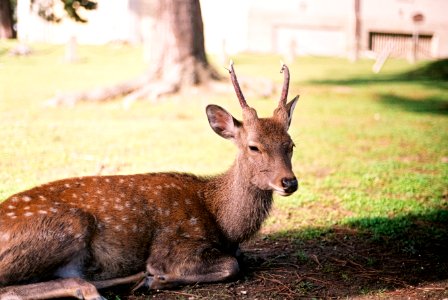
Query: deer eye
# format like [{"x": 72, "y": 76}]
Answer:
[{"x": 254, "y": 148}]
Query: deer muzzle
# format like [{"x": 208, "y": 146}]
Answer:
[{"x": 288, "y": 186}]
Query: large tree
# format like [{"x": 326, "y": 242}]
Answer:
[
  {"x": 6, "y": 20},
  {"x": 177, "y": 58}
]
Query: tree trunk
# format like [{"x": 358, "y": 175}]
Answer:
[
  {"x": 6, "y": 23},
  {"x": 177, "y": 57}
]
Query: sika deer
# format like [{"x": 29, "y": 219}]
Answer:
[{"x": 74, "y": 236}]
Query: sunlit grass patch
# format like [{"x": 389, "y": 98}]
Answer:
[{"x": 371, "y": 149}]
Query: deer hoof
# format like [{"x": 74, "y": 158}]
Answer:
[{"x": 145, "y": 282}]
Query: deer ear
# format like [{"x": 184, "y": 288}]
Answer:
[
  {"x": 290, "y": 109},
  {"x": 222, "y": 122}
]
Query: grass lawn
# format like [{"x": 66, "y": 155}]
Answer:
[{"x": 371, "y": 155}]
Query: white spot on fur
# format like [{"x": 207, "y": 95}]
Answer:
[
  {"x": 168, "y": 229},
  {"x": 121, "y": 180},
  {"x": 14, "y": 199},
  {"x": 26, "y": 208},
  {"x": 193, "y": 221},
  {"x": 125, "y": 219},
  {"x": 134, "y": 228},
  {"x": 43, "y": 198},
  {"x": 10, "y": 214},
  {"x": 127, "y": 204},
  {"x": 43, "y": 212},
  {"x": 99, "y": 192},
  {"x": 26, "y": 198},
  {"x": 187, "y": 201},
  {"x": 107, "y": 180},
  {"x": 74, "y": 196},
  {"x": 28, "y": 214},
  {"x": 70, "y": 229},
  {"x": 175, "y": 203},
  {"x": 118, "y": 207},
  {"x": 159, "y": 187},
  {"x": 4, "y": 237},
  {"x": 156, "y": 192},
  {"x": 167, "y": 212},
  {"x": 67, "y": 185},
  {"x": 11, "y": 206},
  {"x": 53, "y": 210}
]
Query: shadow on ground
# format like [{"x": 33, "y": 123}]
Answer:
[
  {"x": 394, "y": 258},
  {"x": 431, "y": 105},
  {"x": 433, "y": 74}
]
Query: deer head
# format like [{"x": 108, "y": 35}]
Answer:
[{"x": 265, "y": 147}]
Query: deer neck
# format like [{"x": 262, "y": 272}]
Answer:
[{"x": 239, "y": 206}]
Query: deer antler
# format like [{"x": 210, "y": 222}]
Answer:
[
  {"x": 285, "y": 88},
  {"x": 236, "y": 86}
]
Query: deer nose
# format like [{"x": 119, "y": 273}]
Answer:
[{"x": 290, "y": 184}]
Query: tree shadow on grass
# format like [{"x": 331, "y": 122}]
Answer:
[
  {"x": 433, "y": 74},
  {"x": 430, "y": 105},
  {"x": 396, "y": 258}
]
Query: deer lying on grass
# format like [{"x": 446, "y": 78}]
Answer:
[{"x": 71, "y": 237}]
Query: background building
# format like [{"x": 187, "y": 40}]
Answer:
[{"x": 291, "y": 27}]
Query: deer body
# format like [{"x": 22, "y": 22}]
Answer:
[{"x": 70, "y": 237}]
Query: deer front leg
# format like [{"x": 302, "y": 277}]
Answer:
[
  {"x": 69, "y": 287},
  {"x": 220, "y": 269}
]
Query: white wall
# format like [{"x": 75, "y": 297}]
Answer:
[{"x": 226, "y": 25}]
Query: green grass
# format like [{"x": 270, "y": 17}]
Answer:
[{"x": 372, "y": 149}]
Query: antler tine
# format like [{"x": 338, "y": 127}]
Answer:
[
  {"x": 285, "y": 72},
  {"x": 236, "y": 86}
]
